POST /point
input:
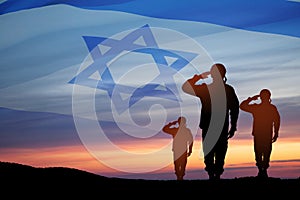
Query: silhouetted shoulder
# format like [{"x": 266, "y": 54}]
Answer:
[
  {"x": 275, "y": 111},
  {"x": 254, "y": 105},
  {"x": 229, "y": 87},
  {"x": 274, "y": 107}
]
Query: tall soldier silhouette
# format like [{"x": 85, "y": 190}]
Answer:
[
  {"x": 220, "y": 107},
  {"x": 265, "y": 128}
]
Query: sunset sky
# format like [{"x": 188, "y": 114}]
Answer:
[{"x": 90, "y": 85}]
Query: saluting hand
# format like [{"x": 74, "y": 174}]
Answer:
[{"x": 254, "y": 97}]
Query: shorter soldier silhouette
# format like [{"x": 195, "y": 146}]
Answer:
[
  {"x": 265, "y": 130},
  {"x": 182, "y": 144}
]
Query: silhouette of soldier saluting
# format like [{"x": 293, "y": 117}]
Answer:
[
  {"x": 220, "y": 107},
  {"x": 266, "y": 121},
  {"x": 182, "y": 144}
]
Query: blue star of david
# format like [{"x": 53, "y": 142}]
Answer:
[{"x": 114, "y": 90}]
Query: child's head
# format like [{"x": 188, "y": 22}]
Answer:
[{"x": 182, "y": 120}]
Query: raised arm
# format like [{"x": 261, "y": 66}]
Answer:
[
  {"x": 245, "y": 105},
  {"x": 170, "y": 129},
  {"x": 189, "y": 85}
]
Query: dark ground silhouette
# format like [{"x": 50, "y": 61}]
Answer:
[{"x": 25, "y": 181}]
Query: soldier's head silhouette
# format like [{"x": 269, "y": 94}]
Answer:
[
  {"x": 218, "y": 71},
  {"x": 265, "y": 95}
]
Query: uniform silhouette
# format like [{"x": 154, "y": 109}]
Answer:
[
  {"x": 265, "y": 129},
  {"x": 182, "y": 144},
  {"x": 220, "y": 107}
]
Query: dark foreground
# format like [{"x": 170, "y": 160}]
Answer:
[{"x": 25, "y": 181}]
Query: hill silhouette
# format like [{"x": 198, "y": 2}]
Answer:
[{"x": 27, "y": 181}]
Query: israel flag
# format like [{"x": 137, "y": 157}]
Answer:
[{"x": 108, "y": 72}]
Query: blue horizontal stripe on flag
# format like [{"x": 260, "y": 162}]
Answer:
[{"x": 272, "y": 16}]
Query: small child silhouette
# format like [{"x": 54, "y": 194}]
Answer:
[{"x": 182, "y": 144}]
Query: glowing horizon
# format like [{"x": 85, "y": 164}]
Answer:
[{"x": 240, "y": 159}]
